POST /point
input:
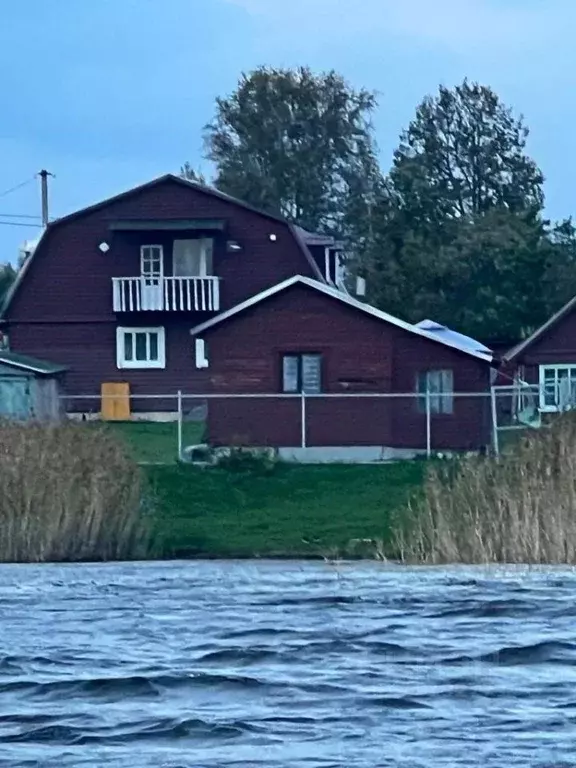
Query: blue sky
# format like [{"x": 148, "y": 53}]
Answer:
[{"x": 107, "y": 94}]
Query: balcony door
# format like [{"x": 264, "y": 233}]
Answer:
[
  {"x": 193, "y": 258},
  {"x": 152, "y": 272}
]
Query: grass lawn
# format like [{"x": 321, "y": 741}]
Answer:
[
  {"x": 156, "y": 442},
  {"x": 219, "y": 513}
]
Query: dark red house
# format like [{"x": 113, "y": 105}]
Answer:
[
  {"x": 303, "y": 336},
  {"x": 176, "y": 286},
  {"x": 111, "y": 291}
]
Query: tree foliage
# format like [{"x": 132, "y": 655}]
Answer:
[
  {"x": 460, "y": 237},
  {"x": 188, "y": 172},
  {"x": 465, "y": 154},
  {"x": 454, "y": 232},
  {"x": 7, "y": 277},
  {"x": 297, "y": 144}
]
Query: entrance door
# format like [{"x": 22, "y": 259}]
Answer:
[
  {"x": 152, "y": 273},
  {"x": 15, "y": 400}
]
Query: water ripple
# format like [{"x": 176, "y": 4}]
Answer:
[{"x": 286, "y": 665}]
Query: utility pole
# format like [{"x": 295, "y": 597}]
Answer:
[{"x": 44, "y": 188}]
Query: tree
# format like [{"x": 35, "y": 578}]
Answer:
[
  {"x": 297, "y": 144},
  {"x": 465, "y": 154},
  {"x": 459, "y": 236}
]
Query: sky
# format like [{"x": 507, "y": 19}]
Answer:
[{"x": 109, "y": 94}]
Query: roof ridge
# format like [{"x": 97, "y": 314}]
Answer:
[{"x": 351, "y": 301}]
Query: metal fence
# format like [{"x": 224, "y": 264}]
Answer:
[{"x": 163, "y": 426}]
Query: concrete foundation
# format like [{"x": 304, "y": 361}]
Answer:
[{"x": 355, "y": 454}]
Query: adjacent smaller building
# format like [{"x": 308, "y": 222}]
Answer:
[
  {"x": 29, "y": 388},
  {"x": 364, "y": 375}
]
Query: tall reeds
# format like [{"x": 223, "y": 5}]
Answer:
[
  {"x": 68, "y": 492},
  {"x": 518, "y": 508}
]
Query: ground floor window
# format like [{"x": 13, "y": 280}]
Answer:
[
  {"x": 302, "y": 373},
  {"x": 440, "y": 388},
  {"x": 557, "y": 387},
  {"x": 140, "y": 348}
]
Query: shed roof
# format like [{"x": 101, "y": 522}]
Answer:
[
  {"x": 31, "y": 364},
  {"x": 345, "y": 299}
]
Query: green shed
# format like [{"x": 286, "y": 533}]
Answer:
[{"x": 29, "y": 388}]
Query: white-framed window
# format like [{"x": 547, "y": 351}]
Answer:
[
  {"x": 140, "y": 348},
  {"x": 440, "y": 388},
  {"x": 557, "y": 387}
]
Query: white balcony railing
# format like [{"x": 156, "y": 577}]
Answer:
[{"x": 166, "y": 294}]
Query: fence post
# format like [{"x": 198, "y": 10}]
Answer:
[
  {"x": 180, "y": 416},
  {"x": 303, "y": 420},
  {"x": 428, "y": 424},
  {"x": 494, "y": 410}
]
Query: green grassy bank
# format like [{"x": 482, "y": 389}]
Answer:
[{"x": 290, "y": 511}]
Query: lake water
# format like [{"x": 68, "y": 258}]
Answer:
[{"x": 299, "y": 665}]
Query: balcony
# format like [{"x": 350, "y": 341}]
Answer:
[{"x": 166, "y": 294}]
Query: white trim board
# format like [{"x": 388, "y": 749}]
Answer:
[{"x": 334, "y": 293}]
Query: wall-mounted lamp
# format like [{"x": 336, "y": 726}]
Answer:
[{"x": 104, "y": 247}]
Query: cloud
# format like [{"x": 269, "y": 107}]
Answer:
[{"x": 508, "y": 25}]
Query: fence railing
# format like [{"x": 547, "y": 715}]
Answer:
[{"x": 405, "y": 423}]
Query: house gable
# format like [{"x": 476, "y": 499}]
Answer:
[{"x": 68, "y": 270}]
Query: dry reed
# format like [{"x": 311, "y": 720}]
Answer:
[
  {"x": 519, "y": 508},
  {"x": 68, "y": 492}
]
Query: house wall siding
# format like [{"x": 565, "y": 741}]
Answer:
[
  {"x": 470, "y": 423},
  {"x": 89, "y": 352}
]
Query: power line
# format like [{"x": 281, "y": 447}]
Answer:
[
  {"x": 18, "y": 186},
  {"x": 19, "y": 216},
  {"x": 20, "y": 224}
]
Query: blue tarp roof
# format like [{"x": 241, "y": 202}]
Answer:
[{"x": 457, "y": 339}]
